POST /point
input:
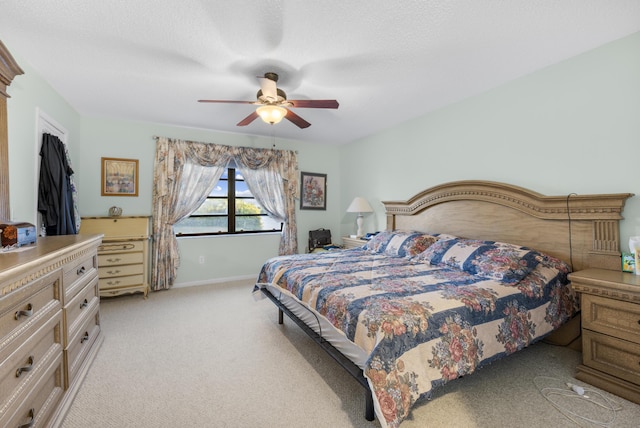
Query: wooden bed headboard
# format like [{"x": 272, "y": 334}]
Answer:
[{"x": 582, "y": 230}]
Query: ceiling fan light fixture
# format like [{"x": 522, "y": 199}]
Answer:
[{"x": 271, "y": 114}]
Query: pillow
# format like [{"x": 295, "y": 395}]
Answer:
[
  {"x": 400, "y": 243},
  {"x": 503, "y": 262}
]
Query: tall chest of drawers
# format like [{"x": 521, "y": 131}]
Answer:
[
  {"x": 610, "y": 303},
  {"x": 49, "y": 327},
  {"x": 123, "y": 257}
]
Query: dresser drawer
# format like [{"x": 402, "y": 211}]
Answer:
[
  {"x": 21, "y": 310},
  {"x": 121, "y": 247},
  {"x": 122, "y": 281},
  {"x": 74, "y": 311},
  {"x": 616, "y": 357},
  {"x": 21, "y": 367},
  {"x": 39, "y": 395},
  {"x": 81, "y": 343},
  {"x": 116, "y": 227},
  {"x": 76, "y": 274},
  {"x": 121, "y": 270},
  {"x": 613, "y": 317},
  {"x": 118, "y": 259}
]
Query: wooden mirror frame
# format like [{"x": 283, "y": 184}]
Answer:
[{"x": 8, "y": 70}]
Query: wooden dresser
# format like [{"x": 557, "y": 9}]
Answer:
[
  {"x": 49, "y": 327},
  {"x": 123, "y": 257},
  {"x": 610, "y": 303}
]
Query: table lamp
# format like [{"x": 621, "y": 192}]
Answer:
[{"x": 359, "y": 205}]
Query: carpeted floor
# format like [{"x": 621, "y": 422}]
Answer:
[{"x": 212, "y": 356}]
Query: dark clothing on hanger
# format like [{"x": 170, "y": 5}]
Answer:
[{"x": 55, "y": 197}]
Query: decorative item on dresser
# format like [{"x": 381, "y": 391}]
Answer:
[
  {"x": 610, "y": 302},
  {"x": 49, "y": 327},
  {"x": 123, "y": 257}
]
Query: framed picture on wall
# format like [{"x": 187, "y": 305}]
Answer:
[
  {"x": 119, "y": 177},
  {"x": 313, "y": 191}
]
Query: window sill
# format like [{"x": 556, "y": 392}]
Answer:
[{"x": 230, "y": 235}]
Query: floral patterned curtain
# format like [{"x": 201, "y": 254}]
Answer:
[
  {"x": 272, "y": 178},
  {"x": 185, "y": 173}
]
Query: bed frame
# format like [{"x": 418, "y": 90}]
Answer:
[{"x": 582, "y": 230}]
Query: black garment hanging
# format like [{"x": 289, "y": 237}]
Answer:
[{"x": 55, "y": 197}]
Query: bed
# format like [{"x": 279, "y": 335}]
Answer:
[{"x": 465, "y": 274}]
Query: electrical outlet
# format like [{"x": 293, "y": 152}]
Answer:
[{"x": 201, "y": 260}]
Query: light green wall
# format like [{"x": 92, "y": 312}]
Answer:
[
  {"x": 572, "y": 127},
  {"x": 93, "y": 138},
  {"x": 28, "y": 93}
]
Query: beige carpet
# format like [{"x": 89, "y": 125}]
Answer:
[{"x": 212, "y": 356}]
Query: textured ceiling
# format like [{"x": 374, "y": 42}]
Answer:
[{"x": 384, "y": 61}]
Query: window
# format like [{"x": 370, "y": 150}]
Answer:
[{"x": 230, "y": 208}]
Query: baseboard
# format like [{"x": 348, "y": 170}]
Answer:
[{"x": 242, "y": 280}]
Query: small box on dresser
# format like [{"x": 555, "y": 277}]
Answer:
[
  {"x": 610, "y": 304},
  {"x": 123, "y": 257}
]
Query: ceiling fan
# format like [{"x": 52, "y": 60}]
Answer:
[{"x": 274, "y": 105}]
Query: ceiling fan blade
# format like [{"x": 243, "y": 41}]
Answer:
[
  {"x": 269, "y": 89},
  {"x": 247, "y": 120},
  {"x": 296, "y": 120},
  {"x": 226, "y": 101},
  {"x": 314, "y": 103}
]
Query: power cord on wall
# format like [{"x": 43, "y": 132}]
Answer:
[{"x": 591, "y": 399}]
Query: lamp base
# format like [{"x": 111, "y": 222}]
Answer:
[{"x": 359, "y": 221}]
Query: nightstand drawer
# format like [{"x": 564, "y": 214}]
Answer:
[
  {"x": 613, "y": 317},
  {"x": 610, "y": 355}
]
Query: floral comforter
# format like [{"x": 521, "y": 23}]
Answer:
[{"x": 426, "y": 319}]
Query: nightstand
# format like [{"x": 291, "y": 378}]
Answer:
[
  {"x": 610, "y": 302},
  {"x": 352, "y": 242}
]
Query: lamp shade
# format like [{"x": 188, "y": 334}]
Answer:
[
  {"x": 271, "y": 114},
  {"x": 359, "y": 205}
]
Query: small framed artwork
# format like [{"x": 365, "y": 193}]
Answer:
[
  {"x": 119, "y": 177},
  {"x": 313, "y": 191}
]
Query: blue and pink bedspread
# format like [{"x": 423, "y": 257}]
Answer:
[{"x": 428, "y": 309}]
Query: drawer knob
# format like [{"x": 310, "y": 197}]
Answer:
[
  {"x": 81, "y": 271},
  {"x": 26, "y": 368},
  {"x": 113, "y": 272},
  {"x": 25, "y": 313},
  {"x": 32, "y": 417},
  {"x": 113, "y": 282},
  {"x": 85, "y": 337},
  {"x": 114, "y": 260},
  {"x": 84, "y": 304}
]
